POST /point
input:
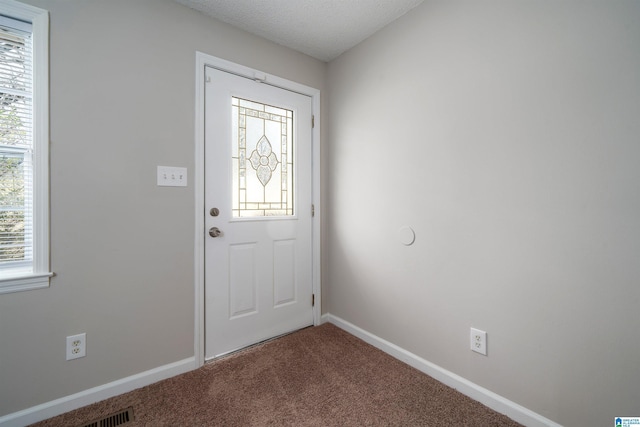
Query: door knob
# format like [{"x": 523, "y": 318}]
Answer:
[{"x": 214, "y": 232}]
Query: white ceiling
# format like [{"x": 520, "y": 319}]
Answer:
[{"x": 322, "y": 29}]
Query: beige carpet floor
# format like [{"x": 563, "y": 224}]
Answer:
[{"x": 319, "y": 376}]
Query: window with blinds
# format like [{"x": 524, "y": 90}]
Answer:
[
  {"x": 24, "y": 147},
  {"x": 16, "y": 145}
]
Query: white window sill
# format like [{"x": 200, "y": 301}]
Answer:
[{"x": 24, "y": 282}]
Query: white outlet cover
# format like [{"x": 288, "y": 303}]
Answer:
[
  {"x": 76, "y": 346},
  {"x": 478, "y": 341},
  {"x": 171, "y": 176}
]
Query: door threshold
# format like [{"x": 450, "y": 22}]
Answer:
[{"x": 241, "y": 350}]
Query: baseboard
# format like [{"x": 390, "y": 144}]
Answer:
[
  {"x": 96, "y": 394},
  {"x": 486, "y": 397}
]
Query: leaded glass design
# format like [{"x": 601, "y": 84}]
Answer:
[{"x": 262, "y": 159}]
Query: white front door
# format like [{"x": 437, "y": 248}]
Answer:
[{"x": 258, "y": 213}]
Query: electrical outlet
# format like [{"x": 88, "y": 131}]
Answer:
[
  {"x": 479, "y": 341},
  {"x": 76, "y": 346}
]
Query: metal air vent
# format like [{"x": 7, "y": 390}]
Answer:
[{"x": 122, "y": 418}]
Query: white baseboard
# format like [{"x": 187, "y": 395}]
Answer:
[
  {"x": 96, "y": 394},
  {"x": 486, "y": 397}
]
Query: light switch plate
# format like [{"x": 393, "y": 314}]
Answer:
[{"x": 170, "y": 176}]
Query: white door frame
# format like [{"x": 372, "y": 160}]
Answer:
[{"x": 203, "y": 60}]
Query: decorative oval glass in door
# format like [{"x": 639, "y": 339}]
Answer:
[{"x": 262, "y": 159}]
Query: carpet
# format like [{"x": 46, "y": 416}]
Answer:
[{"x": 319, "y": 376}]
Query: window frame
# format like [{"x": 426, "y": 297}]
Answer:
[{"x": 40, "y": 275}]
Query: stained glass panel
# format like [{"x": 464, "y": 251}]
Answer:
[{"x": 262, "y": 159}]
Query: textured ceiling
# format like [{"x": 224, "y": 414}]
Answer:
[{"x": 322, "y": 29}]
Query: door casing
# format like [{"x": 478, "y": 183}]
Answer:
[{"x": 203, "y": 60}]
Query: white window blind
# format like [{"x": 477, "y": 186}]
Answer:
[
  {"x": 16, "y": 146},
  {"x": 24, "y": 147}
]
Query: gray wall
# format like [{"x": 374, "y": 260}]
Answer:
[
  {"x": 122, "y": 102},
  {"x": 506, "y": 133}
]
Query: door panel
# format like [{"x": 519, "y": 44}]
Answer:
[
  {"x": 242, "y": 280},
  {"x": 258, "y": 269},
  {"x": 284, "y": 264}
]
